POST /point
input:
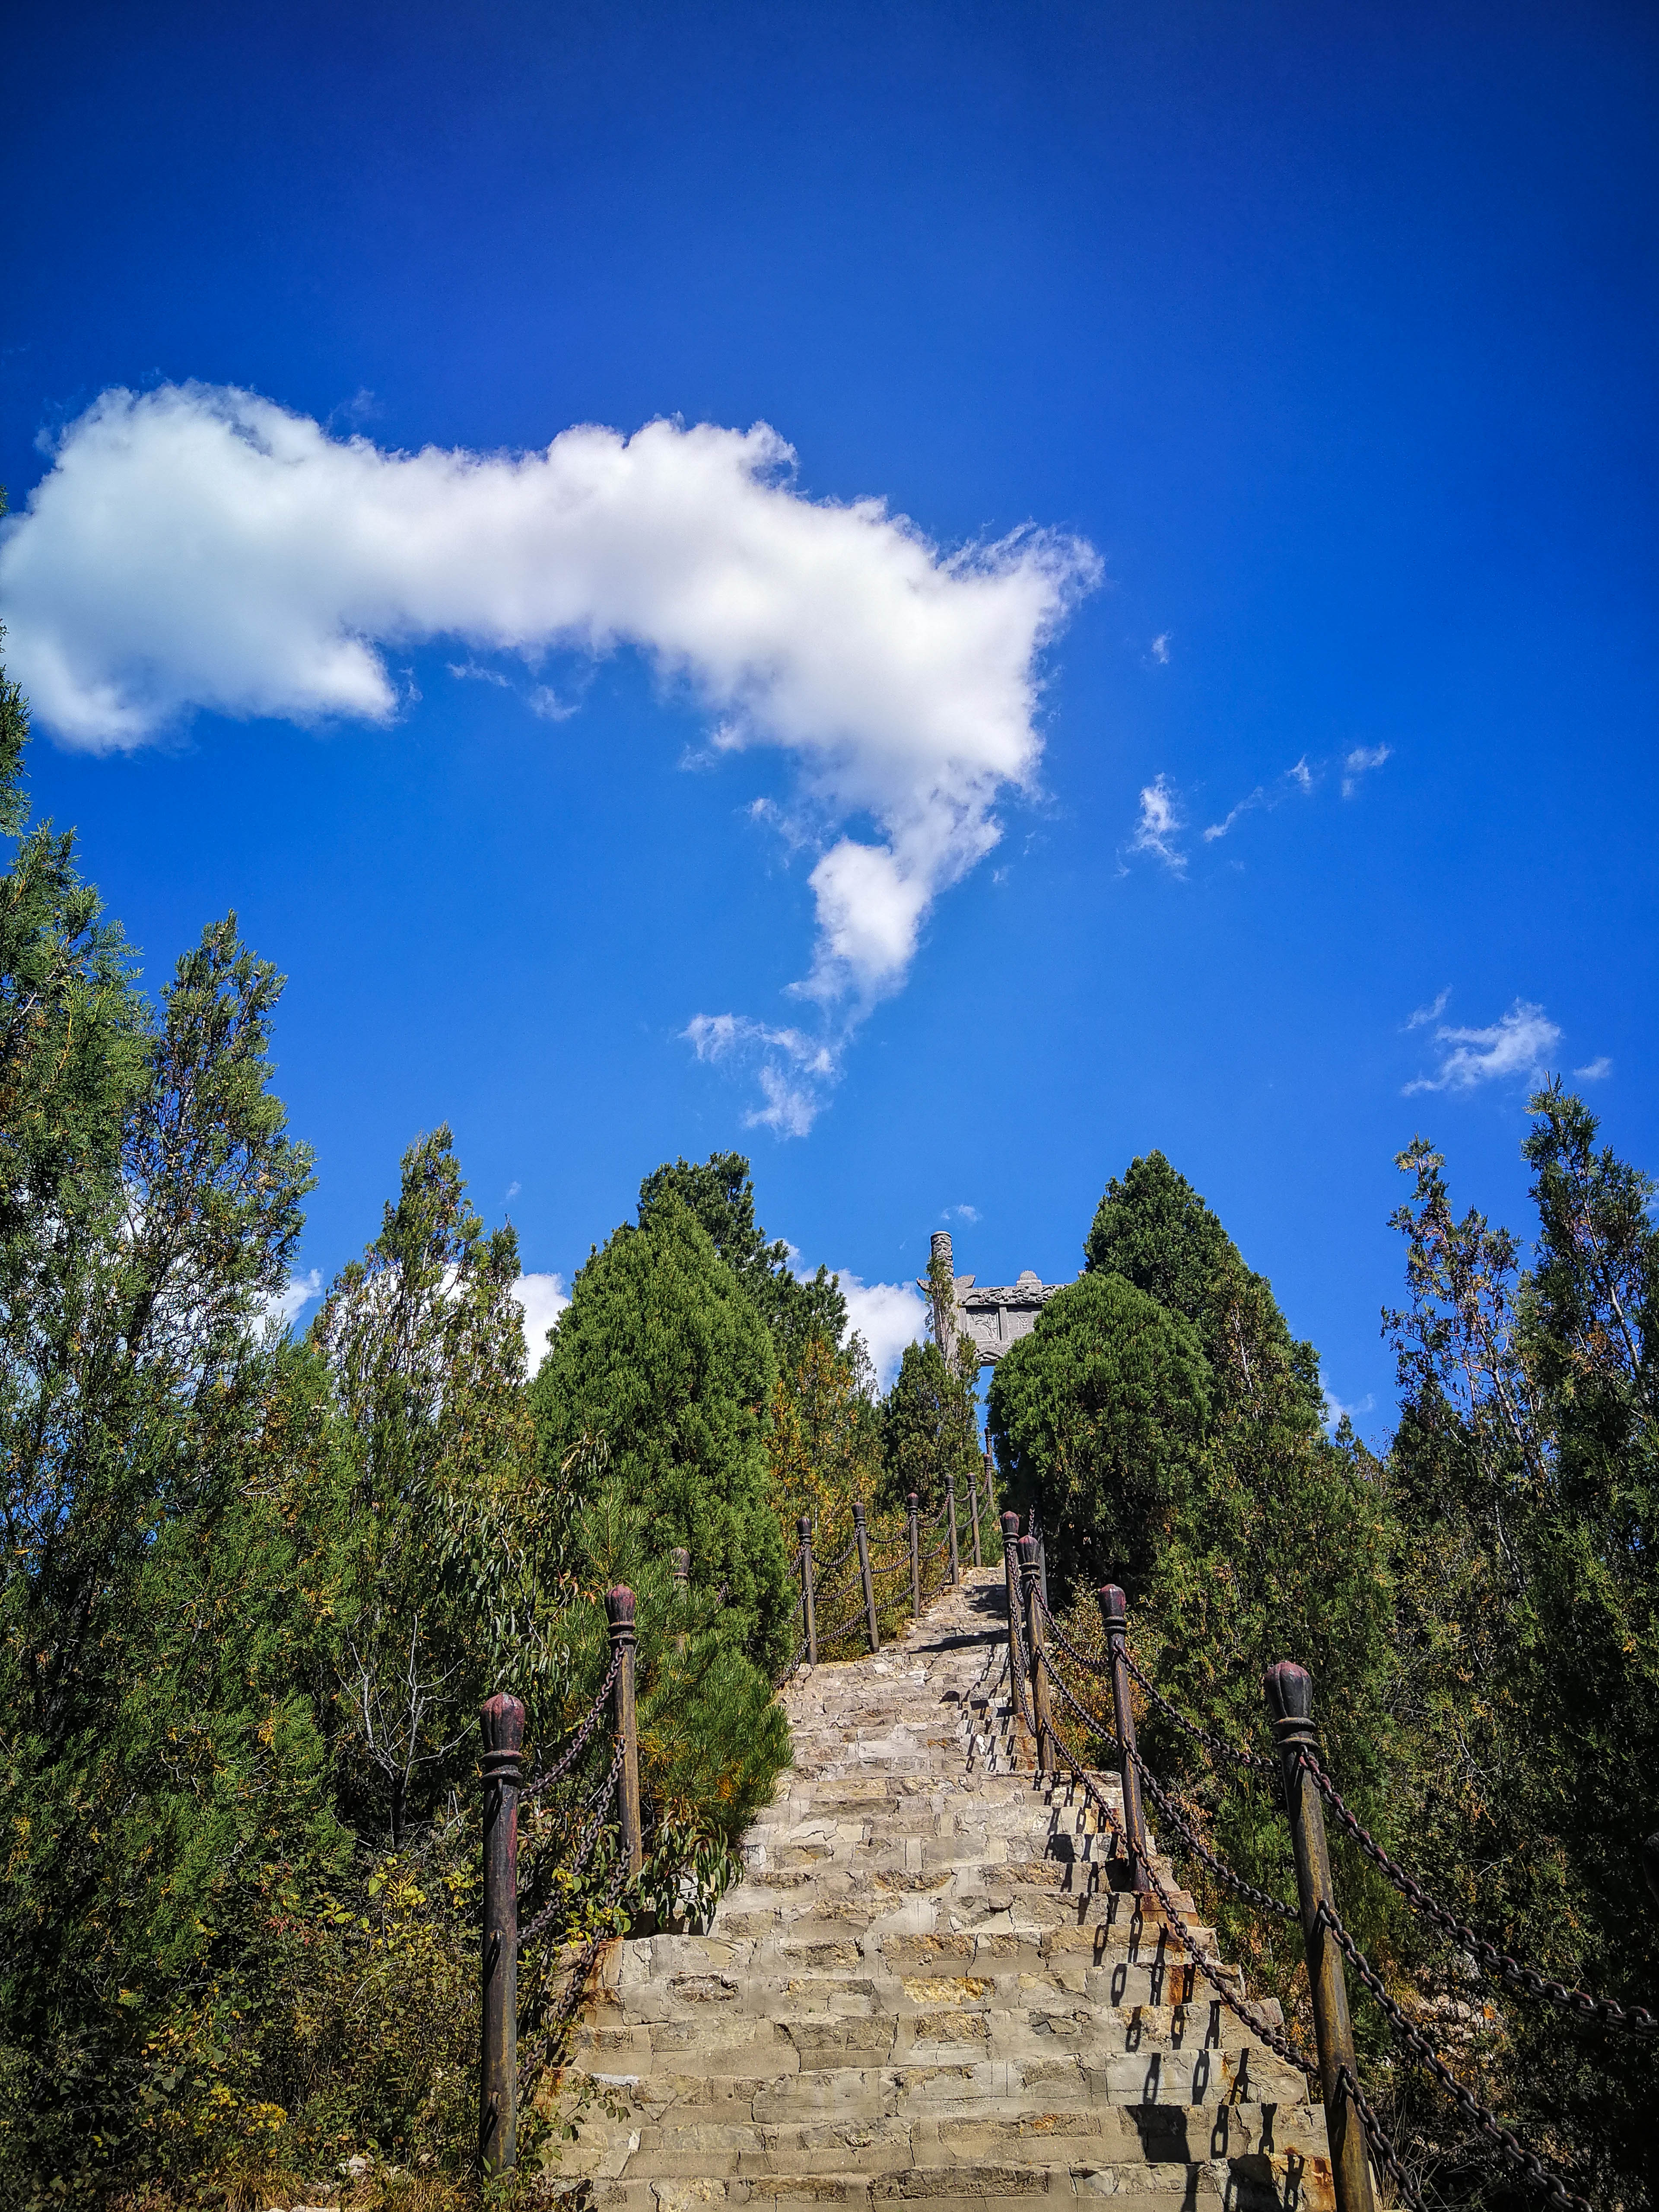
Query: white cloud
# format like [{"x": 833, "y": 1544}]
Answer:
[
  {"x": 1161, "y": 648},
  {"x": 1515, "y": 1045},
  {"x": 199, "y": 547},
  {"x": 1334, "y": 1408},
  {"x": 543, "y": 1299},
  {"x": 1598, "y": 1070},
  {"x": 888, "y": 1316},
  {"x": 1360, "y": 761},
  {"x": 1422, "y": 1016},
  {"x": 1302, "y": 774},
  {"x": 961, "y": 1212},
  {"x": 286, "y": 1304},
  {"x": 793, "y": 1070},
  {"x": 1158, "y": 823},
  {"x": 1219, "y": 828}
]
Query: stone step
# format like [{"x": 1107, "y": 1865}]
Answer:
[{"x": 930, "y": 1983}]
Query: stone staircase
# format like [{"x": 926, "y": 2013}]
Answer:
[{"x": 929, "y": 1984}]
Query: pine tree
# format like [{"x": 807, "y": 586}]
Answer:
[
  {"x": 661, "y": 1361},
  {"x": 447, "y": 1577}
]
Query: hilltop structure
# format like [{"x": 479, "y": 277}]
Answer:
[{"x": 990, "y": 1318}]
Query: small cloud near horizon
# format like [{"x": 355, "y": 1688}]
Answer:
[{"x": 1597, "y": 1070}]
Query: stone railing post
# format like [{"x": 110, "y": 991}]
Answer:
[
  {"x": 1290, "y": 1704},
  {"x": 1114, "y": 1619},
  {"x": 915, "y": 1518},
  {"x": 950, "y": 1513},
  {"x": 809, "y": 1617},
  {"x": 619, "y": 1611},
  {"x": 502, "y": 1771},
  {"x": 862, "y": 1536},
  {"x": 1033, "y": 1642}
]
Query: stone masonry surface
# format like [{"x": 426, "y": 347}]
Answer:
[{"x": 930, "y": 1986}]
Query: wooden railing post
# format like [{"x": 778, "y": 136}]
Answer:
[
  {"x": 972, "y": 1501},
  {"x": 1290, "y": 1704},
  {"x": 950, "y": 1510},
  {"x": 682, "y": 1559},
  {"x": 1034, "y": 1642},
  {"x": 862, "y": 1536},
  {"x": 915, "y": 1558},
  {"x": 1034, "y": 1528},
  {"x": 809, "y": 1617},
  {"x": 1010, "y": 1578},
  {"x": 619, "y": 1611},
  {"x": 501, "y": 1769},
  {"x": 1115, "y": 1618}
]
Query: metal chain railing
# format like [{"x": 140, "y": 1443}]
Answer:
[
  {"x": 600, "y": 1798},
  {"x": 1379, "y": 2141},
  {"x": 1514, "y": 1973},
  {"x": 1263, "y": 1899},
  {"x": 1257, "y": 1762},
  {"x": 580, "y": 1741},
  {"x": 1504, "y": 2140},
  {"x": 575, "y": 1979},
  {"x": 1212, "y": 1968}
]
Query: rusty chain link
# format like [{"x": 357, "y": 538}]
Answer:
[
  {"x": 578, "y": 1743},
  {"x": 1257, "y": 1762},
  {"x": 600, "y": 1798},
  {"x": 575, "y": 1982},
  {"x": 1382, "y": 2147},
  {"x": 1503, "y": 1968},
  {"x": 1508, "y": 2144},
  {"x": 1263, "y": 1899},
  {"x": 1212, "y": 1968}
]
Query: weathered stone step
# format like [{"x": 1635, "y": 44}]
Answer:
[{"x": 930, "y": 1985}]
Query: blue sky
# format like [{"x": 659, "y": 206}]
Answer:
[{"x": 1312, "y": 347}]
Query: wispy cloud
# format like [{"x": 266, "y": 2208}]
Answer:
[
  {"x": 969, "y": 1214},
  {"x": 199, "y": 547},
  {"x": 794, "y": 1070},
  {"x": 1421, "y": 1017},
  {"x": 1597, "y": 1070},
  {"x": 1515, "y": 1045},
  {"x": 1336, "y": 1412},
  {"x": 1360, "y": 761},
  {"x": 1302, "y": 775},
  {"x": 1160, "y": 648},
  {"x": 1245, "y": 805},
  {"x": 1160, "y": 823}
]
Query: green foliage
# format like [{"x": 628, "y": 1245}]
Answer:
[
  {"x": 1099, "y": 1417},
  {"x": 445, "y": 1581},
  {"x": 662, "y": 1358},
  {"x": 719, "y": 1191},
  {"x": 928, "y": 1428},
  {"x": 1524, "y": 1473}
]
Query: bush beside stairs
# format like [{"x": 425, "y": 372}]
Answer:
[{"x": 930, "y": 1984}]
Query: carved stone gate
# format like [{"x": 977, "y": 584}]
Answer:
[{"x": 990, "y": 1316}]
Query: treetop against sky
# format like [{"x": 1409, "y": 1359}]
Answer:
[{"x": 975, "y": 594}]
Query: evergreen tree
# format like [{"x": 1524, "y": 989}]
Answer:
[
  {"x": 446, "y": 1581},
  {"x": 927, "y": 1429},
  {"x": 1098, "y": 1417},
  {"x": 720, "y": 1193},
  {"x": 661, "y": 1360},
  {"x": 1524, "y": 1472}
]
